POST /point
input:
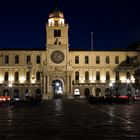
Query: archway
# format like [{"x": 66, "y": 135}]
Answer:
[
  {"x": 87, "y": 92},
  {"x": 57, "y": 87},
  {"x": 107, "y": 92},
  {"x": 97, "y": 92},
  {"x": 16, "y": 93}
]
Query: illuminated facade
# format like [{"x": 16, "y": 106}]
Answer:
[{"x": 59, "y": 71}]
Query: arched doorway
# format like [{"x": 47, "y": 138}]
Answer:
[
  {"x": 57, "y": 88},
  {"x": 107, "y": 92},
  {"x": 97, "y": 92},
  {"x": 16, "y": 93},
  {"x": 87, "y": 93}
]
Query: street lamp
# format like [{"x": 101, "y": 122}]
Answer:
[
  {"x": 10, "y": 85},
  {"x": 111, "y": 85},
  {"x": 29, "y": 67}
]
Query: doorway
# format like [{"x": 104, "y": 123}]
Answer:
[{"x": 57, "y": 88}]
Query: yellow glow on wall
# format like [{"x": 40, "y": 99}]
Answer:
[
  {"x": 132, "y": 79},
  {"x": 103, "y": 79},
  {"x": 33, "y": 79},
  {"x": 22, "y": 79},
  {"x": 11, "y": 78},
  {"x": 51, "y": 21},
  {"x": 1, "y": 79},
  {"x": 123, "y": 79}
]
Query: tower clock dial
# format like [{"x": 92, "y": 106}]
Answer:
[{"x": 57, "y": 56}]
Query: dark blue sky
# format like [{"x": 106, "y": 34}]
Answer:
[{"x": 115, "y": 23}]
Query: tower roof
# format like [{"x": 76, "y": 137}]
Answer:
[{"x": 56, "y": 14}]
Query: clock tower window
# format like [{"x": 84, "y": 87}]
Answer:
[{"x": 57, "y": 33}]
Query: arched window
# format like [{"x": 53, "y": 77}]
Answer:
[
  {"x": 16, "y": 76},
  {"x": 28, "y": 76},
  {"x": 107, "y": 76},
  {"x": 55, "y": 33},
  {"x": 6, "y": 76},
  {"x": 87, "y": 75},
  {"x": 117, "y": 76},
  {"x": 76, "y": 59},
  {"x": 28, "y": 59},
  {"x": 6, "y": 59},
  {"x": 76, "y": 75},
  {"x": 37, "y": 59},
  {"x": 97, "y": 75},
  {"x": 107, "y": 60},
  {"x": 128, "y": 75},
  {"x": 97, "y": 59},
  {"x": 86, "y": 60},
  {"x": 38, "y": 76},
  {"x": 59, "y": 33},
  {"x": 16, "y": 59},
  {"x": 116, "y": 59}
]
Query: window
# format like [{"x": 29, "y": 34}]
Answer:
[
  {"x": 38, "y": 59},
  {"x": 16, "y": 59},
  {"x": 6, "y": 59},
  {"x": 128, "y": 75},
  {"x": 57, "y": 33},
  {"x": 76, "y": 75},
  {"x": 76, "y": 59},
  {"x": 127, "y": 60},
  {"x": 16, "y": 76},
  {"x": 107, "y": 60},
  {"x": 116, "y": 59},
  {"x": 28, "y": 76},
  {"x": 6, "y": 76},
  {"x": 28, "y": 59},
  {"x": 87, "y": 75},
  {"x": 107, "y": 76},
  {"x": 97, "y": 75},
  {"x": 38, "y": 76},
  {"x": 86, "y": 60},
  {"x": 117, "y": 76},
  {"x": 97, "y": 60}
]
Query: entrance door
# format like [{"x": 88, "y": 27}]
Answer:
[{"x": 57, "y": 86}]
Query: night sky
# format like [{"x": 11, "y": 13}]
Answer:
[{"x": 115, "y": 23}]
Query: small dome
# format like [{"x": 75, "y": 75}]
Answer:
[{"x": 56, "y": 14}]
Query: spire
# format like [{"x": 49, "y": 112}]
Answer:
[{"x": 56, "y": 5}]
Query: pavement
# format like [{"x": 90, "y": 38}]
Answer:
[{"x": 63, "y": 119}]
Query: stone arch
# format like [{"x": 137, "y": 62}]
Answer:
[
  {"x": 107, "y": 92},
  {"x": 97, "y": 92}
]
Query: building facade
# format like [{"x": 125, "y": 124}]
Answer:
[{"x": 57, "y": 70}]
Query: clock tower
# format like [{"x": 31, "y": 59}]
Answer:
[
  {"x": 56, "y": 39},
  {"x": 57, "y": 47}
]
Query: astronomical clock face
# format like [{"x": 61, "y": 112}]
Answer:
[{"x": 57, "y": 57}]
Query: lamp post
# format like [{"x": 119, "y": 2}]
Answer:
[
  {"x": 110, "y": 85},
  {"x": 10, "y": 85},
  {"x": 29, "y": 67},
  {"x": 128, "y": 87}
]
